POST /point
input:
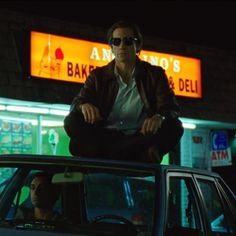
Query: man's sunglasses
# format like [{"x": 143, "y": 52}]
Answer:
[{"x": 128, "y": 41}]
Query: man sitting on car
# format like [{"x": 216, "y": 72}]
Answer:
[{"x": 43, "y": 196}]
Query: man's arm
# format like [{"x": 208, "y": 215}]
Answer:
[
  {"x": 91, "y": 113},
  {"x": 87, "y": 94},
  {"x": 152, "y": 124}
]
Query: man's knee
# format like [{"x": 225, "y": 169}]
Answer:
[
  {"x": 169, "y": 135},
  {"x": 173, "y": 127},
  {"x": 72, "y": 123},
  {"x": 84, "y": 148}
]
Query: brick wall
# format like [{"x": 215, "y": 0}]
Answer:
[{"x": 218, "y": 67}]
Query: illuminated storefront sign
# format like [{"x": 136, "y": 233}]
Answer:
[
  {"x": 68, "y": 59},
  {"x": 221, "y": 152}
]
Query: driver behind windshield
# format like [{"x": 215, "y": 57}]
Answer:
[{"x": 43, "y": 196}]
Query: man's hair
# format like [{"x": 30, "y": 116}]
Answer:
[
  {"x": 47, "y": 177},
  {"x": 126, "y": 24}
]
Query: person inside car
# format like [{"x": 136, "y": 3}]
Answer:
[{"x": 43, "y": 195}]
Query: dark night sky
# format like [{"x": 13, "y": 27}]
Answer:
[{"x": 207, "y": 23}]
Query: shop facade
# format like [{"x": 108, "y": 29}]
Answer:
[{"x": 35, "y": 100}]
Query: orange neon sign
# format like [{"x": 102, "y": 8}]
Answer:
[{"x": 67, "y": 59}]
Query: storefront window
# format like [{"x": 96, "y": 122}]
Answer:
[{"x": 26, "y": 132}]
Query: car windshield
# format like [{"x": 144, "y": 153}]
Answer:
[
  {"x": 129, "y": 196},
  {"x": 110, "y": 200}
]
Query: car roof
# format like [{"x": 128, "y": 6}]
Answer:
[{"x": 36, "y": 159}]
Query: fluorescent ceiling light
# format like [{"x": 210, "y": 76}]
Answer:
[
  {"x": 51, "y": 123},
  {"x": 16, "y": 119},
  {"x": 2, "y": 107},
  {"x": 48, "y": 123},
  {"x": 58, "y": 112},
  {"x": 45, "y": 123},
  {"x": 28, "y": 109},
  {"x": 35, "y": 110},
  {"x": 189, "y": 126}
]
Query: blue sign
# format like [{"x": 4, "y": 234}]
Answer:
[{"x": 219, "y": 140}]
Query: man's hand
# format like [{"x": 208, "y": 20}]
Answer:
[
  {"x": 151, "y": 125},
  {"x": 91, "y": 113}
]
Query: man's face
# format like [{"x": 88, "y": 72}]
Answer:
[
  {"x": 127, "y": 48},
  {"x": 40, "y": 193}
]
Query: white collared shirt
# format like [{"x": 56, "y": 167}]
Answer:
[{"x": 127, "y": 112}]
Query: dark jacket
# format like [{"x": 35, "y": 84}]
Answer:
[{"x": 101, "y": 88}]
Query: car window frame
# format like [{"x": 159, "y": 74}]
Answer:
[
  {"x": 212, "y": 179},
  {"x": 226, "y": 191},
  {"x": 195, "y": 195},
  {"x": 11, "y": 189},
  {"x": 227, "y": 205}
]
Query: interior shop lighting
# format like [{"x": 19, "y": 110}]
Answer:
[
  {"x": 10, "y": 118},
  {"x": 48, "y": 123},
  {"x": 58, "y": 112},
  {"x": 2, "y": 107},
  {"x": 189, "y": 126},
  {"x": 37, "y": 110},
  {"x": 34, "y": 122}
]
